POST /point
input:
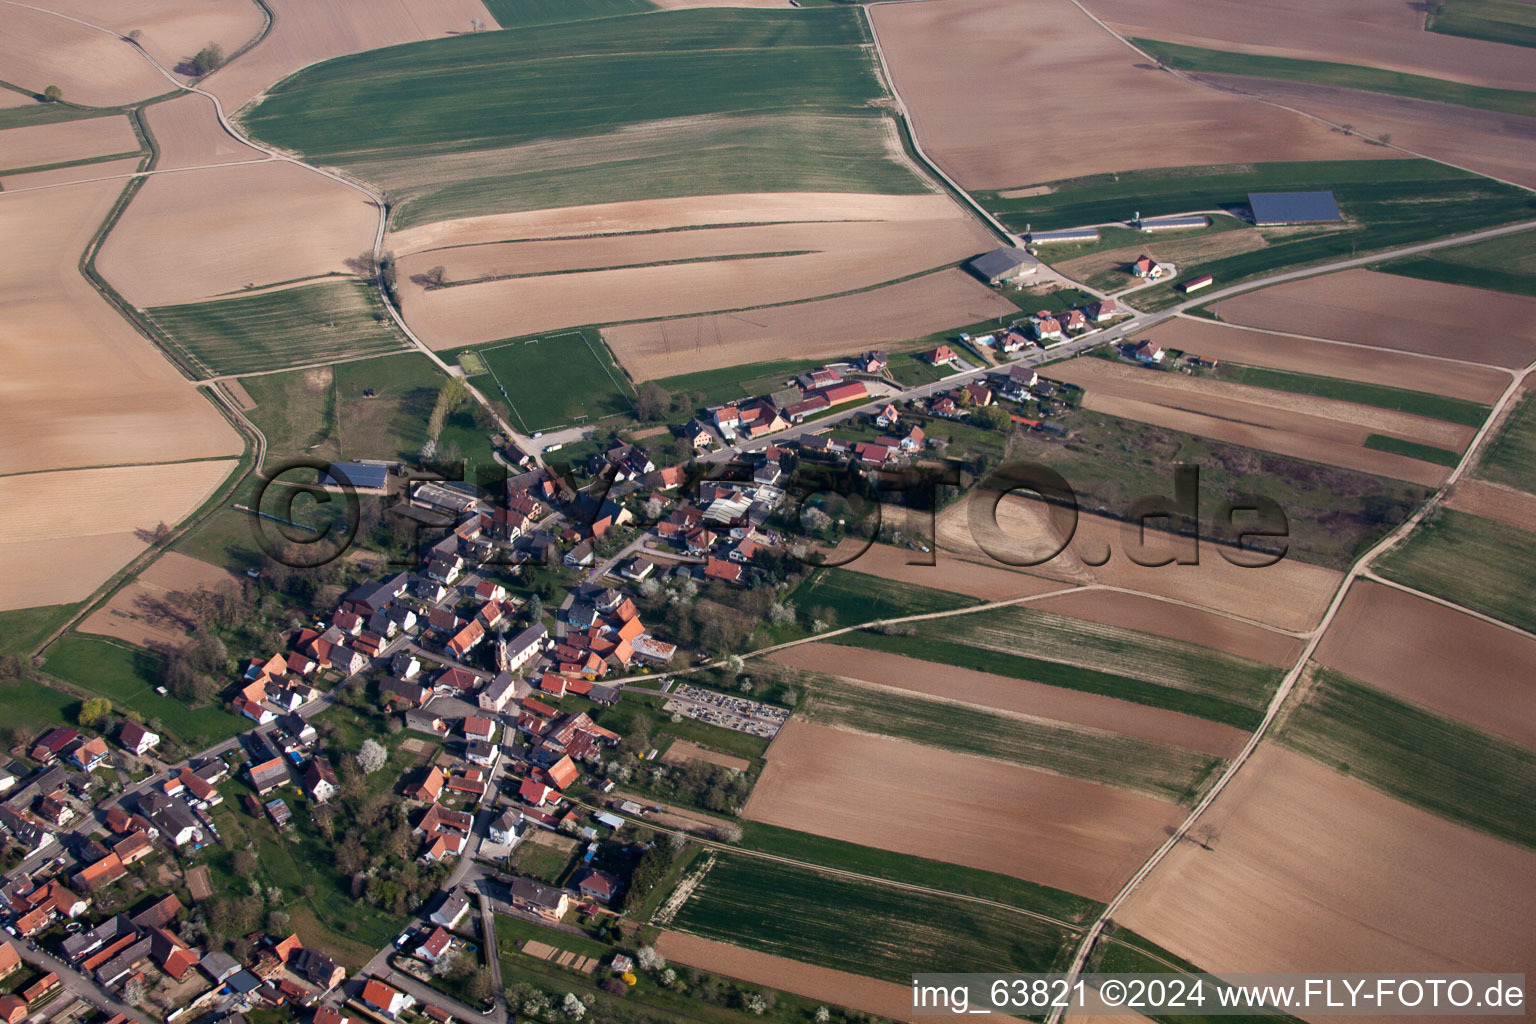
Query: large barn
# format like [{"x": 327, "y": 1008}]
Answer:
[
  {"x": 1272, "y": 209},
  {"x": 1003, "y": 265}
]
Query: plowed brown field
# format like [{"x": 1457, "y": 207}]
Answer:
[
  {"x": 1021, "y": 135},
  {"x": 189, "y": 134},
  {"x": 91, "y": 68},
  {"x": 1327, "y": 359},
  {"x": 151, "y": 611},
  {"x": 197, "y": 234},
  {"x": 1393, "y": 312},
  {"x": 65, "y": 141},
  {"x": 1435, "y": 656},
  {"x": 1290, "y": 594},
  {"x": 806, "y": 330},
  {"x": 988, "y": 582},
  {"x": 1005, "y": 693},
  {"x": 171, "y": 31},
  {"x": 999, "y": 817},
  {"x": 1133, "y": 611},
  {"x": 1299, "y": 879},
  {"x": 1505, "y": 504}
]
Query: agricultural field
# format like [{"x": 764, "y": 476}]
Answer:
[
  {"x": 67, "y": 143},
  {"x": 997, "y": 817},
  {"x": 1498, "y": 21},
  {"x": 966, "y": 688},
  {"x": 1417, "y": 403},
  {"x": 1477, "y": 563},
  {"x": 1494, "y": 501},
  {"x": 274, "y": 330},
  {"x": 128, "y": 677},
  {"x": 1435, "y": 657},
  {"x": 1506, "y": 264},
  {"x": 554, "y": 380},
  {"x": 803, "y": 915},
  {"x": 1447, "y": 768},
  {"x": 696, "y": 70},
  {"x": 853, "y": 597},
  {"x": 1288, "y": 871},
  {"x": 1413, "y": 450},
  {"x": 1396, "y": 313},
  {"x": 1348, "y": 76},
  {"x": 1091, "y": 73},
  {"x": 522, "y": 13},
  {"x": 151, "y": 611},
  {"x": 1155, "y": 769},
  {"x": 1510, "y": 458},
  {"x": 716, "y": 387},
  {"x": 970, "y": 579},
  {"x": 1332, "y": 361},
  {"x": 1292, "y": 424},
  {"x": 1091, "y": 657}
]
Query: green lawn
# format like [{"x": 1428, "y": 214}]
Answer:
[
  {"x": 863, "y": 927},
  {"x": 23, "y": 629},
  {"x": 555, "y": 380},
  {"x": 128, "y": 677},
  {"x": 1511, "y": 458},
  {"x": 1504, "y": 264},
  {"x": 855, "y": 597},
  {"x": 543, "y": 862},
  {"x": 1440, "y": 407},
  {"x": 655, "y": 105},
  {"x": 272, "y": 330},
  {"x": 322, "y": 412},
  {"x": 31, "y": 708},
  {"x": 1498, "y": 21},
  {"x": 1413, "y": 449},
  {"x": 522, "y": 13},
  {"x": 1346, "y": 76},
  {"x": 1159, "y": 770},
  {"x": 919, "y": 871},
  {"x": 1474, "y": 562},
  {"x": 1448, "y": 768},
  {"x": 715, "y": 387}
]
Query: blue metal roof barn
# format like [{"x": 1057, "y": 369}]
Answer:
[
  {"x": 1292, "y": 207},
  {"x": 358, "y": 474}
]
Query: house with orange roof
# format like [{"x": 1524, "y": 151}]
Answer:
[
  {"x": 429, "y": 788},
  {"x": 385, "y": 999},
  {"x": 98, "y": 874},
  {"x": 564, "y": 772},
  {"x": 535, "y": 793}
]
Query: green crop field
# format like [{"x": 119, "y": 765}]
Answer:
[
  {"x": 715, "y": 387},
  {"x": 1499, "y": 21},
  {"x": 1122, "y": 951},
  {"x": 855, "y": 597},
  {"x": 555, "y": 380},
  {"x": 23, "y": 629},
  {"x": 918, "y": 871},
  {"x": 1511, "y": 458},
  {"x": 604, "y": 109},
  {"x": 522, "y": 13},
  {"x": 1440, "y": 407},
  {"x": 322, "y": 412},
  {"x": 1448, "y": 768},
  {"x": 863, "y": 927},
  {"x": 1158, "y": 770},
  {"x": 1347, "y": 76},
  {"x": 1413, "y": 449},
  {"x": 128, "y": 677},
  {"x": 1475, "y": 562},
  {"x": 273, "y": 330},
  {"x": 1504, "y": 264},
  {"x": 1080, "y": 655}
]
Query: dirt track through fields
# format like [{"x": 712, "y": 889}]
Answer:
[{"x": 1060, "y": 832}]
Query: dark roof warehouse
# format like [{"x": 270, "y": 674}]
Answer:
[{"x": 1293, "y": 207}]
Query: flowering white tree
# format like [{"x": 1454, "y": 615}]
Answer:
[
  {"x": 371, "y": 756},
  {"x": 650, "y": 959},
  {"x": 574, "y": 1008}
]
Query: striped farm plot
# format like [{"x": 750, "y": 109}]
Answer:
[{"x": 276, "y": 330}]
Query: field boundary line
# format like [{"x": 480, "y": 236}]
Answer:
[
  {"x": 606, "y": 368},
  {"x": 503, "y": 388}
]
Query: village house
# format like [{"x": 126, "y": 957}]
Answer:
[
  {"x": 599, "y": 885},
  {"x": 319, "y": 780},
  {"x": 136, "y": 739},
  {"x": 388, "y": 1001},
  {"x": 89, "y": 755},
  {"x": 1148, "y": 352},
  {"x": 544, "y": 900},
  {"x": 1146, "y": 267},
  {"x": 1047, "y": 327},
  {"x": 942, "y": 356}
]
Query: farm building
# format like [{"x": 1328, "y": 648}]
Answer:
[
  {"x": 366, "y": 476},
  {"x": 1005, "y": 264},
  {"x": 1173, "y": 223},
  {"x": 1274, "y": 208},
  {"x": 1065, "y": 235},
  {"x": 1196, "y": 283}
]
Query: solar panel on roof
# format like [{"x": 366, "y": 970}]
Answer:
[
  {"x": 1293, "y": 207},
  {"x": 357, "y": 474}
]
